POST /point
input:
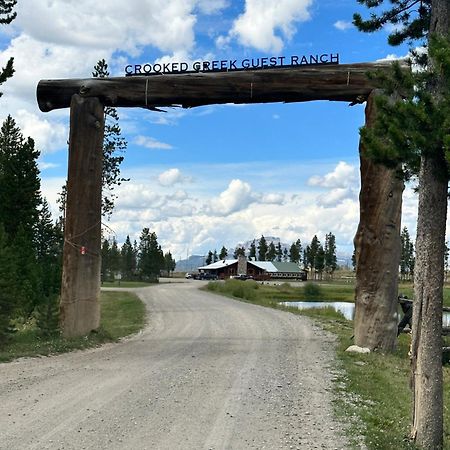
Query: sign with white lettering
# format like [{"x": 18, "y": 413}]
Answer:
[{"x": 231, "y": 64}]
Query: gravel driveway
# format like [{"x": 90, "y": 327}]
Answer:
[{"x": 206, "y": 373}]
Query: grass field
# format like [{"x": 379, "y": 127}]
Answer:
[
  {"x": 373, "y": 394},
  {"x": 122, "y": 314}
]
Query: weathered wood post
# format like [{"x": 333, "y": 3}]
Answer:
[
  {"x": 80, "y": 290},
  {"x": 377, "y": 244}
]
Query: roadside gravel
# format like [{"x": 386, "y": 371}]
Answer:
[{"x": 206, "y": 373}]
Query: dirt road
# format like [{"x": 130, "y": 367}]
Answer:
[{"x": 206, "y": 373}]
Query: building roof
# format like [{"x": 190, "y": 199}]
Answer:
[
  {"x": 275, "y": 266},
  {"x": 220, "y": 264}
]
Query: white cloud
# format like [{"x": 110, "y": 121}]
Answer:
[
  {"x": 266, "y": 24},
  {"x": 343, "y": 25},
  {"x": 342, "y": 176},
  {"x": 236, "y": 197},
  {"x": 171, "y": 177},
  {"x": 152, "y": 143}
]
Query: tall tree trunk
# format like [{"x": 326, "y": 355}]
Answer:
[
  {"x": 80, "y": 289},
  {"x": 426, "y": 345},
  {"x": 377, "y": 244}
]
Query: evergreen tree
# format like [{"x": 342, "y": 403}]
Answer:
[
  {"x": 114, "y": 145},
  {"x": 128, "y": 260},
  {"x": 285, "y": 255},
  {"x": 209, "y": 258},
  {"x": 223, "y": 253},
  {"x": 418, "y": 138},
  {"x": 238, "y": 251},
  {"x": 6, "y": 17},
  {"x": 271, "y": 252},
  {"x": 262, "y": 249},
  {"x": 298, "y": 244},
  {"x": 407, "y": 255},
  {"x": 330, "y": 254},
  {"x": 279, "y": 252},
  {"x": 106, "y": 266},
  {"x": 19, "y": 181},
  {"x": 294, "y": 255},
  {"x": 169, "y": 263},
  {"x": 319, "y": 261},
  {"x": 252, "y": 253},
  {"x": 215, "y": 257},
  {"x": 151, "y": 258},
  {"x": 8, "y": 286},
  {"x": 114, "y": 257}
]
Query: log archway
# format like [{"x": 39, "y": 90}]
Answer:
[{"x": 378, "y": 237}]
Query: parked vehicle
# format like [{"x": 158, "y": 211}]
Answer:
[{"x": 240, "y": 276}]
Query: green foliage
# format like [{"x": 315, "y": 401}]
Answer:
[
  {"x": 271, "y": 252},
  {"x": 114, "y": 145},
  {"x": 418, "y": 122},
  {"x": 6, "y": 17},
  {"x": 223, "y": 253},
  {"x": 410, "y": 19},
  {"x": 128, "y": 260},
  {"x": 407, "y": 259},
  {"x": 262, "y": 249},
  {"x": 295, "y": 252},
  {"x": 252, "y": 253},
  {"x": 209, "y": 258},
  {"x": 330, "y": 263},
  {"x": 312, "y": 290},
  {"x": 151, "y": 258},
  {"x": 8, "y": 270},
  {"x": 47, "y": 316},
  {"x": 239, "y": 251},
  {"x": 236, "y": 288},
  {"x": 122, "y": 313},
  {"x": 169, "y": 263}
]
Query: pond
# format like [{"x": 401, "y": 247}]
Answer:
[{"x": 346, "y": 308}]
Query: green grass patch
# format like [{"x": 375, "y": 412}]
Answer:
[
  {"x": 372, "y": 391},
  {"x": 123, "y": 313},
  {"x": 125, "y": 284}
]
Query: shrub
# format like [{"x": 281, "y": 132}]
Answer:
[{"x": 312, "y": 290}]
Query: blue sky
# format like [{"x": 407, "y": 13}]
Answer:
[{"x": 215, "y": 175}]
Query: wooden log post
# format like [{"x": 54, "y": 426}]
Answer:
[
  {"x": 377, "y": 244},
  {"x": 80, "y": 290}
]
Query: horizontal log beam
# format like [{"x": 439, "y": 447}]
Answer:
[{"x": 345, "y": 82}]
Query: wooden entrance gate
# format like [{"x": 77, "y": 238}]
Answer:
[{"x": 378, "y": 237}]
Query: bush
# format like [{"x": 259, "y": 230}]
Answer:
[{"x": 312, "y": 290}]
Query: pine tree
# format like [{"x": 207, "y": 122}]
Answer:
[
  {"x": 262, "y": 249},
  {"x": 223, "y": 253},
  {"x": 319, "y": 261},
  {"x": 209, "y": 258},
  {"x": 151, "y": 257},
  {"x": 279, "y": 252},
  {"x": 285, "y": 255},
  {"x": 406, "y": 255},
  {"x": 114, "y": 257},
  {"x": 294, "y": 255},
  {"x": 330, "y": 254},
  {"x": 6, "y": 17},
  {"x": 238, "y": 251},
  {"x": 419, "y": 121},
  {"x": 298, "y": 244},
  {"x": 128, "y": 260},
  {"x": 19, "y": 181},
  {"x": 169, "y": 263},
  {"x": 114, "y": 145},
  {"x": 271, "y": 252},
  {"x": 8, "y": 268},
  {"x": 215, "y": 257},
  {"x": 252, "y": 252},
  {"x": 106, "y": 267}
]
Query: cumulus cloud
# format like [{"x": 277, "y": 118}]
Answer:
[
  {"x": 343, "y": 25},
  {"x": 171, "y": 177},
  {"x": 266, "y": 25},
  {"x": 342, "y": 176},
  {"x": 152, "y": 143},
  {"x": 236, "y": 197}
]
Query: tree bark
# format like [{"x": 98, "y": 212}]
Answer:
[
  {"x": 343, "y": 82},
  {"x": 427, "y": 342},
  {"x": 377, "y": 244},
  {"x": 80, "y": 290}
]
